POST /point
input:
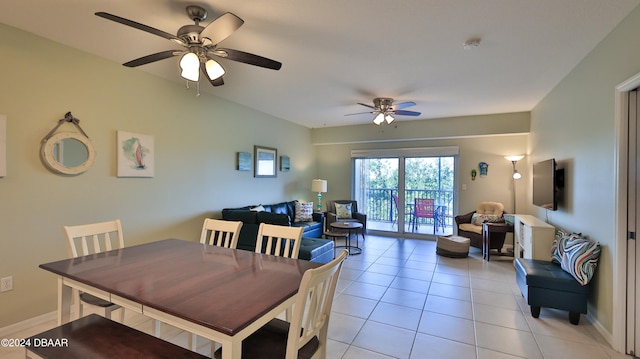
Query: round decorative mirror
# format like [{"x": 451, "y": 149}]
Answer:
[{"x": 69, "y": 153}]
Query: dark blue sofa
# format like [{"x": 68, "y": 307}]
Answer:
[{"x": 312, "y": 248}]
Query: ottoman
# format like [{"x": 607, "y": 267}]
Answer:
[
  {"x": 546, "y": 284},
  {"x": 316, "y": 250},
  {"x": 452, "y": 246}
]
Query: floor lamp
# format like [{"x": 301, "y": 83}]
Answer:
[
  {"x": 516, "y": 175},
  {"x": 320, "y": 186}
]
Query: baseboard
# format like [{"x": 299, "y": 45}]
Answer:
[
  {"x": 28, "y": 323},
  {"x": 31, "y": 322},
  {"x": 608, "y": 337}
]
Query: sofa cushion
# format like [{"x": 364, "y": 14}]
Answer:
[
  {"x": 470, "y": 227},
  {"x": 478, "y": 218},
  {"x": 244, "y": 215},
  {"x": 304, "y": 212},
  {"x": 495, "y": 208},
  {"x": 288, "y": 208},
  {"x": 308, "y": 226},
  {"x": 281, "y": 219}
]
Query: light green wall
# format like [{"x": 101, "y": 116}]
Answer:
[
  {"x": 575, "y": 125},
  {"x": 486, "y": 138},
  {"x": 196, "y": 139}
]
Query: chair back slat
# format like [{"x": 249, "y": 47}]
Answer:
[
  {"x": 313, "y": 307},
  {"x": 282, "y": 241},
  {"x": 93, "y": 238},
  {"x": 220, "y": 233}
]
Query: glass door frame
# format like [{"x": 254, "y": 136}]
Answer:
[{"x": 401, "y": 155}]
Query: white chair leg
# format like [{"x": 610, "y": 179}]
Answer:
[
  {"x": 78, "y": 303},
  {"x": 193, "y": 342},
  {"x": 106, "y": 313},
  {"x": 156, "y": 328}
]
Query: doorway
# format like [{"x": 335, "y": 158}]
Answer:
[
  {"x": 625, "y": 331},
  {"x": 408, "y": 193}
]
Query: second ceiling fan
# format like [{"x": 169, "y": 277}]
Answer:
[
  {"x": 201, "y": 45},
  {"x": 384, "y": 109}
]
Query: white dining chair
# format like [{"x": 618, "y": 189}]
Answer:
[
  {"x": 220, "y": 233},
  {"x": 94, "y": 238},
  {"x": 305, "y": 336},
  {"x": 282, "y": 241}
]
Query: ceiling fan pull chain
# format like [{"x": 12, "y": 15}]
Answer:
[{"x": 198, "y": 89}]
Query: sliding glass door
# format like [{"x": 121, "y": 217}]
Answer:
[{"x": 406, "y": 192}]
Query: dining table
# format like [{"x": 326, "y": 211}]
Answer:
[{"x": 220, "y": 294}]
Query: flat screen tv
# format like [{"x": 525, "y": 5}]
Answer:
[{"x": 546, "y": 184}]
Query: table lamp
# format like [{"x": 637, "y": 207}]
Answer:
[{"x": 320, "y": 186}]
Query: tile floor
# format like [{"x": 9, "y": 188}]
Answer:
[{"x": 398, "y": 299}]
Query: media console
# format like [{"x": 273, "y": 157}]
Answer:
[{"x": 532, "y": 237}]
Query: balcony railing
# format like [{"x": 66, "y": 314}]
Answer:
[{"x": 380, "y": 206}]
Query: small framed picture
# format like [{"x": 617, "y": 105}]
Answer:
[
  {"x": 285, "y": 163},
  {"x": 264, "y": 161},
  {"x": 243, "y": 161},
  {"x": 135, "y": 154}
]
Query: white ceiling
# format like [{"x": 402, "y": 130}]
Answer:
[{"x": 336, "y": 53}]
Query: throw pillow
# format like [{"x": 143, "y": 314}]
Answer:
[
  {"x": 478, "y": 219},
  {"x": 580, "y": 258},
  {"x": 304, "y": 212},
  {"x": 257, "y": 208},
  {"x": 343, "y": 210},
  {"x": 559, "y": 243}
]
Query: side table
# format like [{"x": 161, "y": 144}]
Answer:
[
  {"x": 349, "y": 226},
  {"x": 487, "y": 229}
]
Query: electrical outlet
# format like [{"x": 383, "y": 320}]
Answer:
[{"x": 6, "y": 284}]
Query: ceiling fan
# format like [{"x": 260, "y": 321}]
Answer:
[
  {"x": 201, "y": 45},
  {"x": 383, "y": 108}
]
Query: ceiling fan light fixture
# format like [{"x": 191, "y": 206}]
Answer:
[
  {"x": 214, "y": 69},
  {"x": 389, "y": 118},
  {"x": 190, "y": 65},
  {"x": 379, "y": 119}
]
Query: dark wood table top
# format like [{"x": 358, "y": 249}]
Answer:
[{"x": 219, "y": 288}]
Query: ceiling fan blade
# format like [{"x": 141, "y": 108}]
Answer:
[
  {"x": 140, "y": 26},
  {"x": 403, "y": 105},
  {"x": 247, "y": 58},
  {"x": 406, "y": 113},
  {"x": 153, "y": 58},
  {"x": 365, "y": 105},
  {"x": 214, "y": 82},
  {"x": 360, "y": 113},
  {"x": 220, "y": 28}
]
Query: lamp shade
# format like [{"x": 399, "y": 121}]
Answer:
[
  {"x": 214, "y": 69},
  {"x": 389, "y": 118},
  {"x": 379, "y": 119},
  {"x": 319, "y": 185},
  {"x": 514, "y": 158},
  {"x": 190, "y": 65}
]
